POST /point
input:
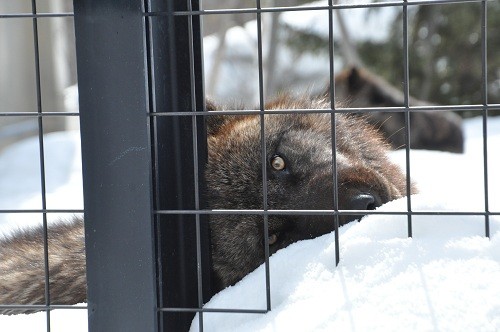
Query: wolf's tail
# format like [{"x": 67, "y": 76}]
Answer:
[{"x": 24, "y": 281}]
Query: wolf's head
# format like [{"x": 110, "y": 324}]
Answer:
[{"x": 299, "y": 176}]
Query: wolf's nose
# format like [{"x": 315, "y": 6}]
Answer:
[{"x": 363, "y": 201}]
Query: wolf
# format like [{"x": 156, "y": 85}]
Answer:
[
  {"x": 22, "y": 267},
  {"x": 294, "y": 171},
  {"x": 359, "y": 87}
]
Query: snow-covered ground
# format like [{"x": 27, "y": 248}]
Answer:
[
  {"x": 20, "y": 181},
  {"x": 445, "y": 278}
]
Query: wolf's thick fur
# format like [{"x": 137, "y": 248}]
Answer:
[
  {"x": 22, "y": 268},
  {"x": 234, "y": 178},
  {"x": 298, "y": 163}
]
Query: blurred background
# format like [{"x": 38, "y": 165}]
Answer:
[
  {"x": 444, "y": 49},
  {"x": 18, "y": 92}
]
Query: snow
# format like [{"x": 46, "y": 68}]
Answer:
[
  {"x": 444, "y": 278},
  {"x": 61, "y": 320},
  {"x": 20, "y": 169},
  {"x": 20, "y": 189}
]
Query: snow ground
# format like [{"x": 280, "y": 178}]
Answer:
[
  {"x": 20, "y": 181},
  {"x": 444, "y": 278}
]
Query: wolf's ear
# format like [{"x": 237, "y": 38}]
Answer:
[
  {"x": 355, "y": 81},
  {"x": 214, "y": 122},
  {"x": 210, "y": 105},
  {"x": 217, "y": 122}
]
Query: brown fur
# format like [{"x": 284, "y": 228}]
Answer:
[
  {"x": 22, "y": 268},
  {"x": 234, "y": 181}
]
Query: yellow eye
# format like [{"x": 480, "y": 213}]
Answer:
[
  {"x": 272, "y": 239},
  {"x": 278, "y": 163}
]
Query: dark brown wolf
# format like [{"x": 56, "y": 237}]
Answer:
[
  {"x": 299, "y": 176},
  {"x": 429, "y": 130}
]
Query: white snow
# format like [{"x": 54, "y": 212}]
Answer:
[
  {"x": 20, "y": 189},
  {"x": 21, "y": 185},
  {"x": 61, "y": 320},
  {"x": 444, "y": 278}
]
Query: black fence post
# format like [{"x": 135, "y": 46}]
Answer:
[
  {"x": 116, "y": 153},
  {"x": 177, "y": 86}
]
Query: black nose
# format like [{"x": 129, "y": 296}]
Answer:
[
  {"x": 363, "y": 201},
  {"x": 360, "y": 201}
]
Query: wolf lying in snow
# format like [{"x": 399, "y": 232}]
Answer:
[{"x": 299, "y": 176}]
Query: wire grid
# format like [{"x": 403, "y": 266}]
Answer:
[
  {"x": 40, "y": 115},
  {"x": 198, "y": 111},
  {"x": 484, "y": 107}
]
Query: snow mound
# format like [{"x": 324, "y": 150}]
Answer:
[{"x": 444, "y": 278}]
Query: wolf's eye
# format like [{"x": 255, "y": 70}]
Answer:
[
  {"x": 278, "y": 163},
  {"x": 272, "y": 239}
]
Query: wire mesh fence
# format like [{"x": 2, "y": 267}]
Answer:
[
  {"x": 32, "y": 36},
  {"x": 144, "y": 119}
]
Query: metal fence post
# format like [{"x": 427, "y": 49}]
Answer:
[
  {"x": 177, "y": 86},
  {"x": 116, "y": 153}
]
